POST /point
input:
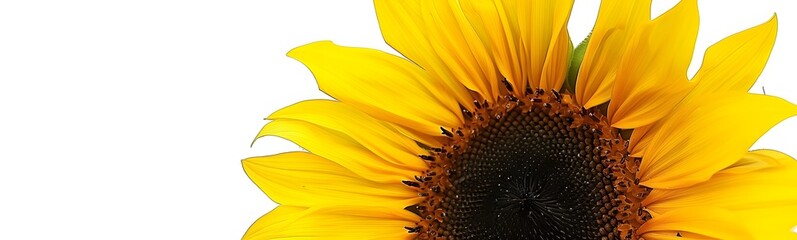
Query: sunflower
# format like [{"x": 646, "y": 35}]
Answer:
[{"x": 495, "y": 126}]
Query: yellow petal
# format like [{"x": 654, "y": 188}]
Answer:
[
  {"x": 276, "y": 219},
  {"x": 675, "y": 235},
  {"x": 456, "y": 43},
  {"x": 770, "y": 222},
  {"x": 381, "y": 139},
  {"x": 545, "y": 41},
  {"x": 742, "y": 186},
  {"x": 403, "y": 28},
  {"x": 694, "y": 223},
  {"x": 334, "y": 222},
  {"x": 422, "y": 138},
  {"x": 759, "y": 159},
  {"x": 641, "y": 137},
  {"x": 529, "y": 39},
  {"x": 555, "y": 69},
  {"x": 548, "y": 26},
  {"x": 734, "y": 63},
  {"x": 617, "y": 22},
  {"x": 707, "y": 135},
  {"x": 651, "y": 78},
  {"x": 384, "y": 86},
  {"x": 494, "y": 26},
  {"x": 304, "y": 179},
  {"x": 339, "y": 148},
  {"x": 760, "y": 188}
]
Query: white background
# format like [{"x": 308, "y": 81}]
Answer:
[{"x": 128, "y": 119}]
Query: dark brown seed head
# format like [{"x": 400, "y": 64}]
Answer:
[{"x": 537, "y": 167}]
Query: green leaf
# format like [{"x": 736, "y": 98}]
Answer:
[{"x": 575, "y": 64}]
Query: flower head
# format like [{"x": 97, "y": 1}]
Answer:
[{"x": 494, "y": 126}]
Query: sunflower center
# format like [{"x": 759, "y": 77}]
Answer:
[
  {"x": 528, "y": 175},
  {"x": 539, "y": 167}
]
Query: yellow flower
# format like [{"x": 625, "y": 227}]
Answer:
[{"x": 496, "y": 127}]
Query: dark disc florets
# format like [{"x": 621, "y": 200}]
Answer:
[{"x": 531, "y": 167}]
